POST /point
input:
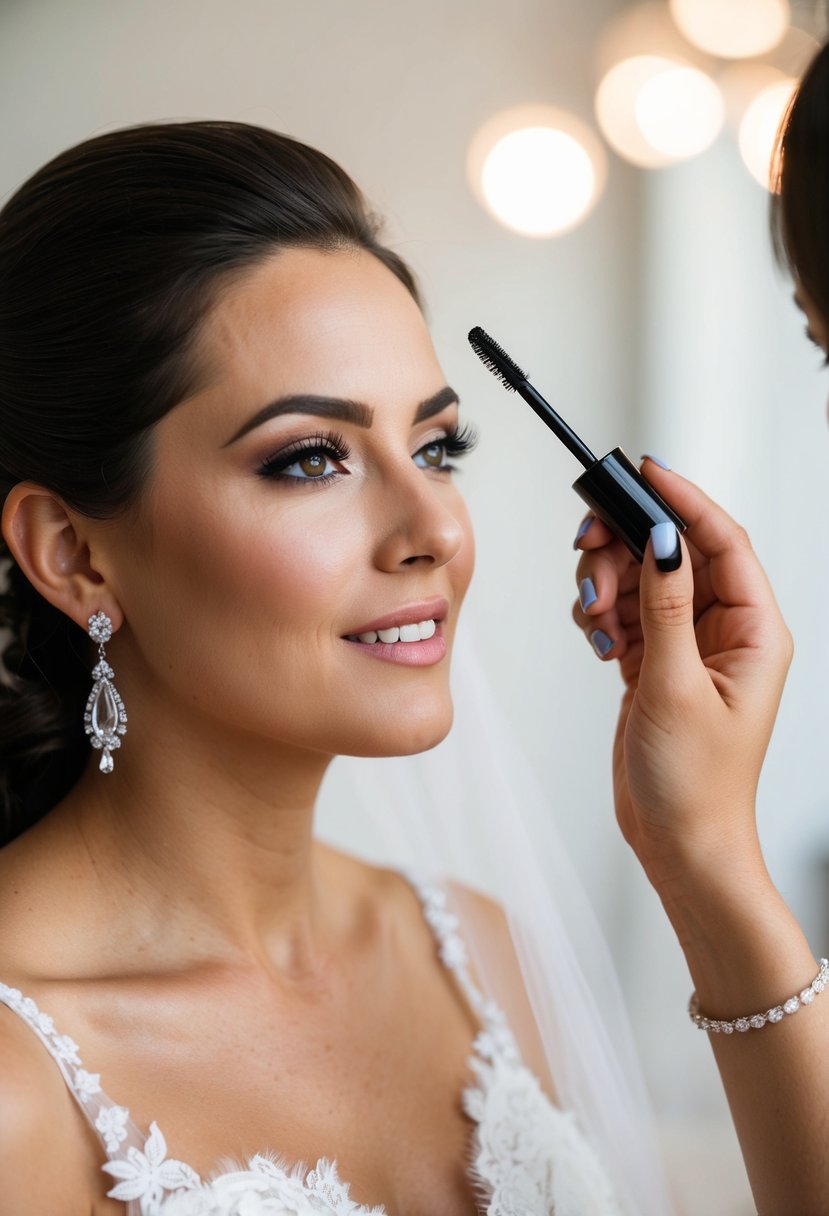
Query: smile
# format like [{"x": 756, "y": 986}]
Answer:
[
  {"x": 419, "y": 632},
  {"x": 412, "y": 636}
]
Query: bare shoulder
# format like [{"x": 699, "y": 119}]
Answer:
[
  {"x": 43, "y": 1152},
  {"x": 47, "y": 917},
  {"x": 486, "y": 912}
]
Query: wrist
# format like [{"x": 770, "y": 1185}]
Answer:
[
  {"x": 706, "y": 868},
  {"x": 744, "y": 948}
]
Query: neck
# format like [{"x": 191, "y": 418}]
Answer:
[{"x": 205, "y": 843}]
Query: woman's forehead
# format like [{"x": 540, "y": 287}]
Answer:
[
  {"x": 335, "y": 323},
  {"x": 310, "y": 309}
]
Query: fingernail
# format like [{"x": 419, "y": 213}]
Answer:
[
  {"x": 583, "y": 526},
  {"x": 666, "y": 547},
  {"x": 587, "y": 593},
  {"x": 656, "y": 460},
  {"x": 601, "y": 643}
]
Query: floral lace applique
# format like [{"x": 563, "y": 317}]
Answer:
[
  {"x": 528, "y": 1156},
  {"x": 269, "y": 1188},
  {"x": 147, "y": 1175},
  {"x": 112, "y": 1124}
]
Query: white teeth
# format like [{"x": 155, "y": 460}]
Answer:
[{"x": 420, "y": 632}]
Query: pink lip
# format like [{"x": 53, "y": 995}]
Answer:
[
  {"x": 411, "y": 614},
  {"x": 407, "y": 654}
]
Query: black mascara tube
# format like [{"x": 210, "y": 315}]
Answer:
[{"x": 612, "y": 486}]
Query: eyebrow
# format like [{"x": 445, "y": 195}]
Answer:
[{"x": 340, "y": 408}]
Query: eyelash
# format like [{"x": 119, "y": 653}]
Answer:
[
  {"x": 324, "y": 443},
  {"x": 825, "y": 360},
  {"x": 457, "y": 442}
]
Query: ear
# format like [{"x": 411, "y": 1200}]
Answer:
[{"x": 43, "y": 537}]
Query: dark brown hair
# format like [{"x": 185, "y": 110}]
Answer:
[
  {"x": 110, "y": 258},
  {"x": 800, "y": 210}
]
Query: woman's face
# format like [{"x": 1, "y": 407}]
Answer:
[{"x": 301, "y": 499}]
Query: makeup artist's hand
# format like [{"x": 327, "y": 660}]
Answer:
[{"x": 704, "y": 653}]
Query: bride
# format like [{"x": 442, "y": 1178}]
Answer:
[{"x": 235, "y": 550}]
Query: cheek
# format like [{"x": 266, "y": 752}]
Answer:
[
  {"x": 232, "y": 589},
  {"x": 239, "y": 614}
]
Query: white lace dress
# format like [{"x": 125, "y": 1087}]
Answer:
[{"x": 527, "y": 1157}]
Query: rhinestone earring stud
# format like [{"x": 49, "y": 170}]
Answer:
[{"x": 105, "y": 719}]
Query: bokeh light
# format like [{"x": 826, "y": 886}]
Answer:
[
  {"x": 759, "y": 127},
  {"x": 536, "y": 170},
  {"x": 656, "y": 110},
  {"x": 680, "y": 112},
  {"x": 732, "y": 29}
]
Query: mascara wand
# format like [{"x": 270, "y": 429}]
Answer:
[
  {"x": 511, "y": 376},
  {"x": 612, "y": 487}
]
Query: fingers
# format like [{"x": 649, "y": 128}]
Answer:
[
  {"x": 671, "y": 657},
  {"x": 735, "y": 574},
  {"x": 607, "y": 577},
  {"x": 592, "y": 533},
  {"x": 716, "y": 551},
  {"x": 611, "y": 633},
  {"x": 607, "y": 610}
]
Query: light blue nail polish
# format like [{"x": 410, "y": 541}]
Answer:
[
  {"x": 587, "y": 593},
  {"x": 664, "y": 540},
  {"x": 601, "y": 643},
  {"x": 656, "y": 460},
  {"x": 583, "y": 526},
  {"x": 666, "y": 547}
]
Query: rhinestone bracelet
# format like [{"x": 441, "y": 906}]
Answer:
[{"x": 756, "y": 1021}]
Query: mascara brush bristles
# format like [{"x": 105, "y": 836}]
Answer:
[
  {"x": 496, "y": 358},
  {"x": 511, "y": 376}
]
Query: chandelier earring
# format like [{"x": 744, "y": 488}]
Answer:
[{"x": 105, "y": 719}]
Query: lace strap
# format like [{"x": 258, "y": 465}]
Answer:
[
  {"x": 111, "y": 1122},
  {"x": 451, "y": 946}
]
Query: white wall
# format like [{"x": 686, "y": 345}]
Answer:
[{"x": 658, "y": 324}]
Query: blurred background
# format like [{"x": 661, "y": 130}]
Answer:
[{"x": 589, "y": 182}]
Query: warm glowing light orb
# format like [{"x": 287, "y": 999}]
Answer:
[
  {"x": 616, "y": 108},
  {"x": 680, "y": 112},
  {"x": 656, "y": 110},
  {"x": 732, "y": 29},
  {"x": 758, "y": 130},
  {"x": 536, "y": 170},
  {"x": 538, "y": 181}
]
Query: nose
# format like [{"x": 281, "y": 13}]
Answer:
[{"x": 423, "y": 521}]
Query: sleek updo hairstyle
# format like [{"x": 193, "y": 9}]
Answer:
[
  {"x": 110, "y": 258},
  {"x": 800, "y": 210}
]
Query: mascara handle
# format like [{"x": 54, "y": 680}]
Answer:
[{"x": 619, "y": 495}]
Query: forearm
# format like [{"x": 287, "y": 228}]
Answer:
[{"x": 746, "y": 954}]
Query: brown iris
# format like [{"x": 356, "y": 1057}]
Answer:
[
  {"x": 313, "y": 465},
  {"x": 433, "y": 455}
]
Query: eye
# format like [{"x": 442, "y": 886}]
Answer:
[
  {"x": 435, "y": 455},
  {"x": 312, "y": 465},
  {"x": 819, "y": 345},
  {"x": 308, "y": 460},
  {"x": 432, "y": 456}
]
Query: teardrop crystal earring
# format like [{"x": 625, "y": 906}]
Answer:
[{"x": 105, "y": 719}]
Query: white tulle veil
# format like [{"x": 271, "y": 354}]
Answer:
[{"x": 470, "y": 810}]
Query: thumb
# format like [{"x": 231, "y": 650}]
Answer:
[{"x": 666, "y": 607}]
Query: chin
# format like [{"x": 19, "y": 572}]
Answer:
[{"x": 406, "y": 731}]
